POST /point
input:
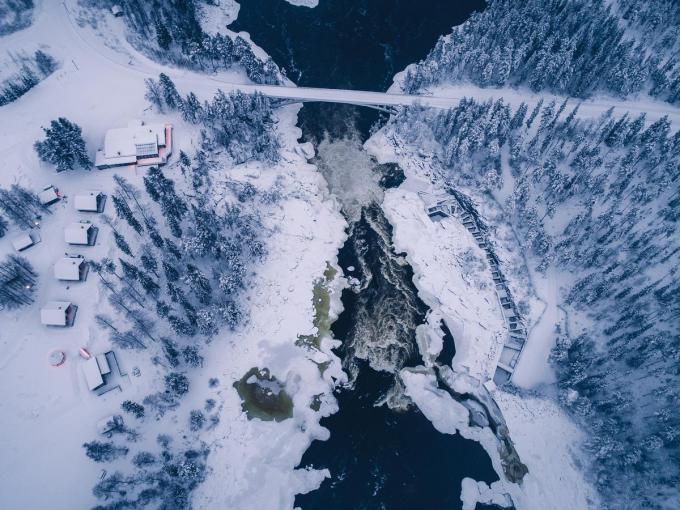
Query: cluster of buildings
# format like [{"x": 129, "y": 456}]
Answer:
[
  {"x": 137, "y": 144},
  {"x": 74, "y": 267},
  {"x": 101, "y": 372}
]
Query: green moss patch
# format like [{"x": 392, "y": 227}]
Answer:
[{"x": 263, "y": 396}]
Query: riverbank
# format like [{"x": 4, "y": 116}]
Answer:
[
  {"x": 259, "y": 457},
  {"x": 452, "y": 278}
]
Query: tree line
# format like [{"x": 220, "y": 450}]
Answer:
[
  {"x": 242, "y": 123},
  {"x": 32, "y": 70},
  {"x": 575, "y": 48},
  {"x": 171, "y": 33}
]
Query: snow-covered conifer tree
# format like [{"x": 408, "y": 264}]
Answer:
[{"x": 63, "y": 146}]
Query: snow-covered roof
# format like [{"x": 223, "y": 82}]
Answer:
[
  {"x": 101, "y": 160},
  {"x": 93, "y": 375},
  {"x": 54, "y": 313},
  {"x": 77, "y": 233},
  {"x": 68, "y": 268},
  {"x": 22, "y": 241},
  {"x": 48, "y": 196},
  {"x": 87, "y": 201},
  {"x": 103, "y": 364},
  {"x": 121, "y": 142}
]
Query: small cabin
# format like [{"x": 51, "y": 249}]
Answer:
[
  {"x": 25, "y": 240},
  {"x": 102, "y": 373},
  {"x": 58, "y": 313},
  {"x": 48, "y": 196},
  {"x": 90, "y": 201},
  {"x": 71, "y": 269},
  {"x": 82, "y": 233}
]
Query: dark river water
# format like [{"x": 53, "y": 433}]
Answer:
[{"x": 382, "y": 452}]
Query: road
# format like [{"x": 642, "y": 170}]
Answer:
[
  {"x": 84, "y": 51},
  {"x": 443, "y": 97}
]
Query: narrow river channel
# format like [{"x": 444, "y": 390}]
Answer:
[{"x": 382, "y": 452}]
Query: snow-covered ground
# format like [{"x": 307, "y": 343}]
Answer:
[
  {"x": 258, "y": 458},
  {"x": 47, "y": 413},
  {"x": 454, "y": 280},
  {"x": 215, "y": 18}
]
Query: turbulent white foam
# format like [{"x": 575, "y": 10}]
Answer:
[{"x": 348, "y": 169}]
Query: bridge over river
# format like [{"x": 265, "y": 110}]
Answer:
[{"x": 384, "y": 101}]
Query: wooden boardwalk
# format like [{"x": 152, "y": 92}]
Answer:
[{"x": 516, "y": 339}]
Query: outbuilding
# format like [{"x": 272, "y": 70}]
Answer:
[
  {"x": 93, "y": 374},
  {"x": 82, "y": 233},
  {"x": 48, "y": 196},
  {"x": 58, "y": 313},
  {"x": 25, "y": 240},
  {"x": 71, "y": 269},
  {"x": 90, "y": 201},
  {"x": 95, "y": 369}
]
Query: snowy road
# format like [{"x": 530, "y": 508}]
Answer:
[{"x": 120, "y": 57}]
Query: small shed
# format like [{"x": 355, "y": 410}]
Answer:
[
  {"x": 48, "y": 196},
  {"x": 95, "y": 369},
  {"x": 71, "y": 269},
  {"x": 81, "y": 233},
  {"x": 25, "y": 241},
  {"x": 58, "y": 313},
  {"x": 93, "y": 375},
  {"x": 90, "y": 201}
]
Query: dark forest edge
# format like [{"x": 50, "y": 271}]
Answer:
[{"x": 573, "y": 48}]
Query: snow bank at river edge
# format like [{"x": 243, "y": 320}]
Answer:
[
  {"x": 257, "y": 457},
  {"x": 452, "y": 278}
]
